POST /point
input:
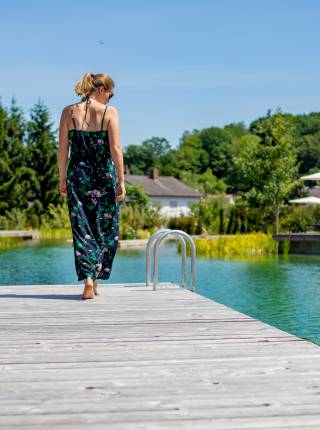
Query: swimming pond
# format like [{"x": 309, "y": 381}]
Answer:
[{"x": 283, "y": 291}]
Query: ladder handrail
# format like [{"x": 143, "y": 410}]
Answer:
[
  {"x": 148, "y": 250},
  {"x": 159, "y": 238},
  {"x": 150, "y": 243}
]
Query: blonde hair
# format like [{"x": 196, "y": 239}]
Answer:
[{"x": 90, "y": 81}]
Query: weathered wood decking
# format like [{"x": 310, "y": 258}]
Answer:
[
  {"x": 24, "y": 234},
  {"x": 134, "y": 358},
  {"x": 301, "y": 243}
]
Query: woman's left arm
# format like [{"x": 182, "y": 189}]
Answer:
[{"x": 63, "y": 151}]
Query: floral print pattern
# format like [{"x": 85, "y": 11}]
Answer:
[{"x": 92, "y": 184}]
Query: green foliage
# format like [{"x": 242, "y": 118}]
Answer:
[
  {"x": 207, "y": 214},
  {"x": 206, "y": 182},
  {"x": 55, "y": 233},
  {"x": 259, "y": 164},
  {"x": 141, "y": 158},
  {"x": 239, "y": 147},
  {"x": 306, "y": 124},
  {"x": 138, "y": 214},
  {"x": 152, "y": 218},
  {"x": 208, "y": 148},
  {"x": 236, "y": 129},
  {"x": 42, "y": 158},
  {"x": 236, "y": 245},
  {"x": 134, "y": 221},
  {"x": 133, "y": 217},
  {"x": 308, "y": 150},
  {"x": 216, "y": 143},
  {"x": 28, "y": 167},
  {"x": 17, "y": 181},
  {"x": 183, "y": 222},
  {"x": 295, "y": 218},
  {"x": 191, "y": 156},
  {"x": 221, "y": 221},
  {"x": 15, "y": 219},
  {"x": 11, "y": 242},
  {"x": 56, "y": 216},
  {"x": 136, "y": 196},
  {"x": 268, "y": 168},
  {"x": 306, "y": 129},
  {"x": 169, "y": 164},
  {"x": 214, "y": 215},
  {"x": 55, "y": 223},
  {"x": 284, "y": 247}
]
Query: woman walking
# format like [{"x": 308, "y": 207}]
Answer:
[{"x": 92, "y": 179}]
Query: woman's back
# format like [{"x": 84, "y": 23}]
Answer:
[
  {"x": 88, "y": 115},
  {"x": 89, "y": 145}
]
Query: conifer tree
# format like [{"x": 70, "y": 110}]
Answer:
[
  {"x": 42, "y": 158},
  {"x": 17, "y": 181}
]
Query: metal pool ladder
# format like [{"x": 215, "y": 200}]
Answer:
[{"x": 155, "y": 241}]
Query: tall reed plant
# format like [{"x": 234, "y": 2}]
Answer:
[{"x": 237, "y": 245}]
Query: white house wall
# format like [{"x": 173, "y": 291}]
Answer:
[{"x": 174, "y": 206}]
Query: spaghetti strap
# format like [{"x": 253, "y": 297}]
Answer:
[
  {"x": 73, "y": 119},
  {"x": 88, "y": 101},
  {"x": 103, "y": 116}
]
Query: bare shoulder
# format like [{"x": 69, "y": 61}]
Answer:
[
  {"x": 113, "y": 116},
  {"x": 64, "y": 116},
  {"x": 113, "y": 111},
  {"x": 66, "y": 111}
]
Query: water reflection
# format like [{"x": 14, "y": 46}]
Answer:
[{"x": 283, "y": 291}]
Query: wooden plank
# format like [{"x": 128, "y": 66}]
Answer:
[
  {"x": 134, "y": 358},
  {"x": 26, "y": 234}
]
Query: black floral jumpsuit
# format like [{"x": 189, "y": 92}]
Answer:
[{"x": 92, "y": 183}]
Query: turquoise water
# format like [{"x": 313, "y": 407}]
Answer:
[{"x": 283, "y": 291}]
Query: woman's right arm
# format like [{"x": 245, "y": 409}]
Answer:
[
  {"x": 63, "y": 151},
  {"x": 115, "y": 149}
]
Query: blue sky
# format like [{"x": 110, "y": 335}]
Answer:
[{"x": 178, "y": 65}]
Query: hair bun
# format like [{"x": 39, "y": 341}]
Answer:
[{"x": 87, "y": 84}]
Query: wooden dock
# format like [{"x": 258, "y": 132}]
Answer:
[
  {"x": 138, "y": 359},
  {"x": 301, "y": 243},
  {"x": 24, "y": 234}
]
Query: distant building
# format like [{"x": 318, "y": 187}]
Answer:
[
  {"x": 174, "y": 196},
  {"x": 229, "y": 198}
]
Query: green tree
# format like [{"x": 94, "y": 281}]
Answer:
[
  {"x": 269, "y": 168},
  {"x": 191, "y": 156},
  {"x": 17, "y": 181},
  {"x": 308, "y": 148},
  {"x": 216, "y": 143},
  {"x": 206, "y": 183},
  {"x": 236, "y": 129},
  {"x": 42, "y": 158},
  {"x": 306, "y": 131},
  {"x": 239, "y": 145},
  {"x": 141, "y": 158},
  {"x": 169, "y": 165}
]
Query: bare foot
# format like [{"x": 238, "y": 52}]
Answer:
[
  {"x": 88, "y": 289},
  {"x": 95, "y": 287}
]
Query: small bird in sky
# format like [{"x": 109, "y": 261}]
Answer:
[{"x": 101, "y": 42}]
